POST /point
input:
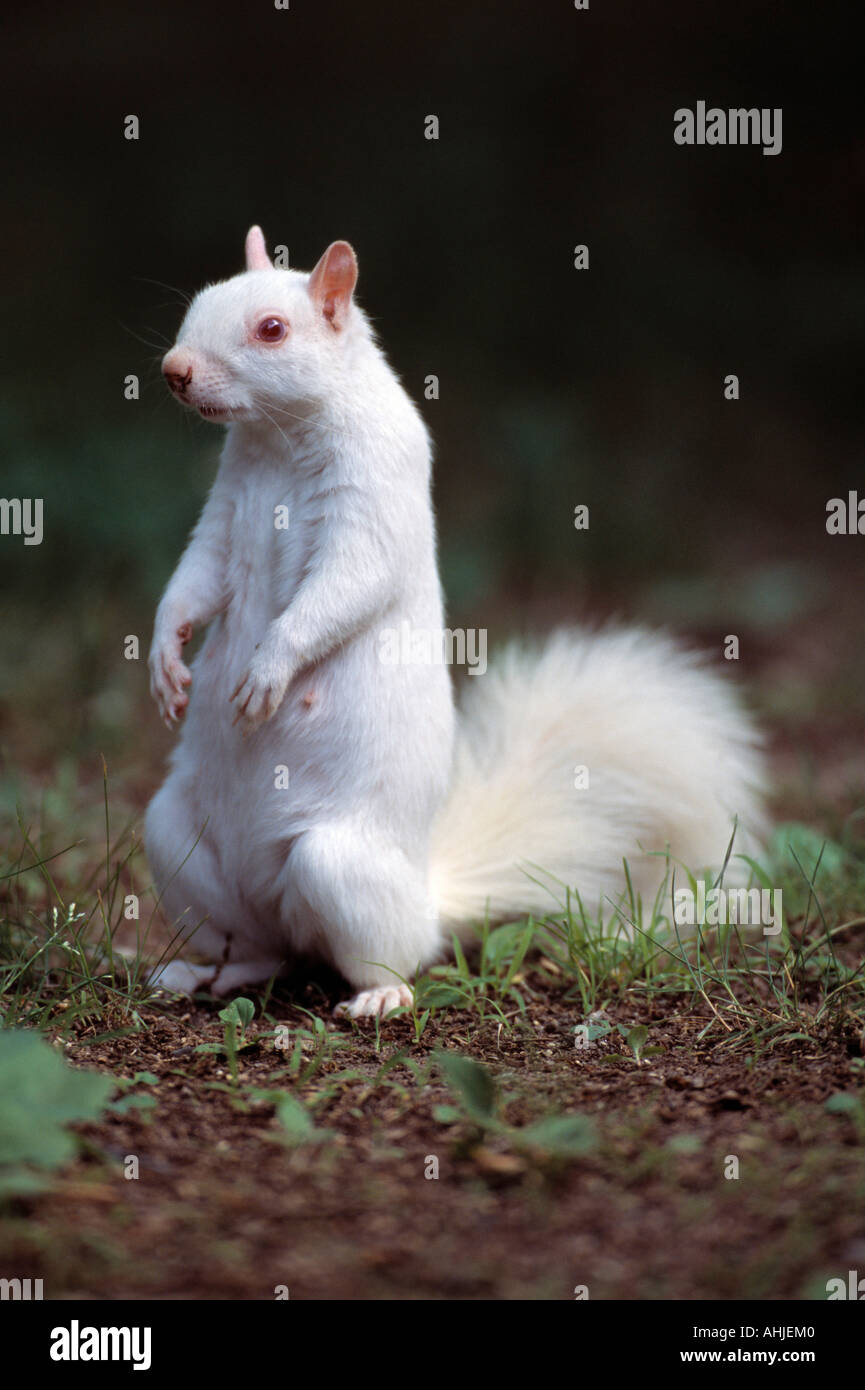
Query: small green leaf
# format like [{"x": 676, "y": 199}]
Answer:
[
  {"x": 439, "y": 996},
  {"x": 842, "y": 1103},
  {"x": 562, "y": 1136},
  {"x": 472, "y": 1083},
  {"x": 245, "y": 1011},
  {"x": 593, "y": 1031},
  {"x": 19, "y": 1182},
  {"x": 636, "y": 1040},
  {"x": 684, "y": 1144},
  {"x": 39, "y": 1095},
  {"x": 141, "y": 1078},
  {"x": 294, "y": 1118},
  {"x": 446, "y": 1114},
  {"x": 810, "y": 848},
  {"x": 297, "y": 1122},
  {"x": 143, "y": 1102},
  {"x": 513, "y": 939}
]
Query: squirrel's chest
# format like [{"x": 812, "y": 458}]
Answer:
[{"x": 271, "y": 540}]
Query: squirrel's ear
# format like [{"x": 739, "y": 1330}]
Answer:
[
  {"x": 332, "y": 282},
  {"x": 256, "y": 251}
]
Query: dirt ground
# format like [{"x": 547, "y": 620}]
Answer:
[{"x": 223, "y": 1209}]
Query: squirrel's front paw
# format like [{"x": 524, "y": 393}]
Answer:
[
  {"x": 259, "y": 695},
  {"x": 169, "y": 677}
]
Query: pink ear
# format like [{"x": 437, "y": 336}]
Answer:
[
  {"x": 256, "y": 251},
  {"x": 332, "y": 282}
]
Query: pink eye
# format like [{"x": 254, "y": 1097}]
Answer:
[{"x": 271, "y": 330}]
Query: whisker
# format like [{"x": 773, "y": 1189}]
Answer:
[
  {"x": 280, "y": 410},
  {"x": 175, "y": 289},
  {"x": 161, "y": 348},
  {"x": 304, "y": 419},
  {"x": 275, "y": 423}
]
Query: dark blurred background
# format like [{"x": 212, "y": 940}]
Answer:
[{"x": 558, "y": 387}]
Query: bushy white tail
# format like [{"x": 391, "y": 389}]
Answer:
[{"x": 670, "y": 756}]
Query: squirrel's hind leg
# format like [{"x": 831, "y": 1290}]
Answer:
[
  {"x": 198, "y": 900},
  {"x": 182, "y": 977},
  {"x": 354, "y": 895}
]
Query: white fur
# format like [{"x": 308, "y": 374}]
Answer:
[
  {"x": 378, "y": 834},
  {"x": 669, "y": 756}
]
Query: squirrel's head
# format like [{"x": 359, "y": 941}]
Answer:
[{"x": 269, "y": 339}]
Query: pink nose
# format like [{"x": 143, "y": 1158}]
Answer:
[{"x": 177, "y": 370}]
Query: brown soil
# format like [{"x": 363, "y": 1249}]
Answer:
[{"x": 223, "y": 1209}]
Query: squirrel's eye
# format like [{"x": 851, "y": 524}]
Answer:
[{"x": 271, "y": 330}]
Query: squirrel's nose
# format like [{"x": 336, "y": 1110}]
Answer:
[{"x": 177, "y": 370}]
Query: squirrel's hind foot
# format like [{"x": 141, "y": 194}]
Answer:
[{"x": 371, "y": 1003}]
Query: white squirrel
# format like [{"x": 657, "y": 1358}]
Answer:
[{"x": 322, "y": 800}]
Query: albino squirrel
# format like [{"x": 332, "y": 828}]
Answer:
[{"x": 323, "y": 801}]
